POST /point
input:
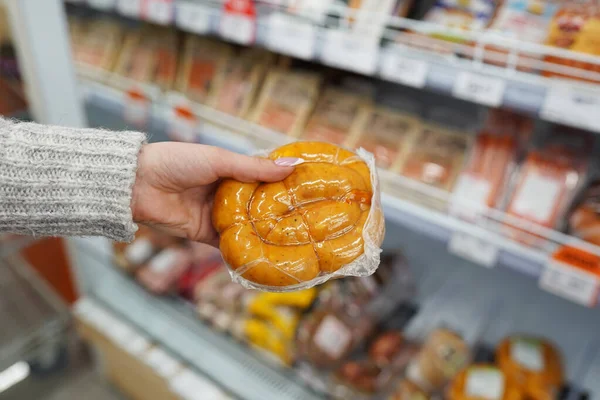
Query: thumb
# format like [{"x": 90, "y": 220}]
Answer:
[{"x": 252, "y": 169}]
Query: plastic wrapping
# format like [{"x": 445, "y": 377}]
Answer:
[
  {"x": 584, "y": 222},
  {"x": 323, "y": 221}
]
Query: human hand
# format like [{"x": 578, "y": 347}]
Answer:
[{"x": 176, "y": 182}]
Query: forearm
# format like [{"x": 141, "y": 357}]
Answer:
[{"x": 58, "y": 181}]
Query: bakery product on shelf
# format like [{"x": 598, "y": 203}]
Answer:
[{"x": 310, "y": 225}]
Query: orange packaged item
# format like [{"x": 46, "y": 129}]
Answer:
[
  {"x": 97, "y": 44},
  {"x": 548, "y": 181},
  {"x": 443, "y": 355},
  {"x": 163, "y": 271},
  {"x": 239, "y": 82},
  {"x": 388, "y": 134},
  {"x": 323, "y": 220},
  {"x": 438, "y": 158},
  {"x": 491, "y": 162},
  {"x": 585, "y": 219},
  {"x": 335, "y": 116},
  {"x": 532, "y": 364},
  {"x": 576, "y": 27},
  {"x": 202, "y": 61},
  {"x": 286, "y": 101},
  {"x": 483, "y": 381}
]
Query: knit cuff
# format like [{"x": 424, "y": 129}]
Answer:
[{"x": 57, "y": 181}]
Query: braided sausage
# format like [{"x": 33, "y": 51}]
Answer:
[{"x": 310, "y": 224}]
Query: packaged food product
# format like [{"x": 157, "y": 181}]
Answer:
[
  {"x": 335, "y": 116},
  {"x": 526, "y": 20},
  {"x": 483, "y": 381},
  {"x": 407, "y": 390},
  {"x": 548, "y": 180},
  {"x": 187, "y": 283},
  {"x": 466, "y": 15},
  {"x": 149, "y": 56},
  {"x": 438, "y": 158},
  {"x": 388, "y": 134},
  {"x": 162, "y": 272},
  {"x": 442, "y": 356},
  {"x": 491, "y": 161},
  {"x": 238, "y": 83},
  {"x": 323, "y": 221},
  {"x": 263, "y": 336},
  {"x": 203, "y": 60},
  {"x": 97, "y": 43},
  {"x": 384, "y": 349},
  {"x": 576, "y": 27},
  {"x": 532, "y": 364},
  {"x": 364, "y": 377},
  {"x": 286, "y": 101},
  {"x": 584, "y": 222},
  {"x": 130, "y": 256}
]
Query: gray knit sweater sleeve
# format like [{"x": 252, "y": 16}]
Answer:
[{"x": 58, "y": 181}]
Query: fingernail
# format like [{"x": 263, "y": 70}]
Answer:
[{"x": 288, "y": 161}]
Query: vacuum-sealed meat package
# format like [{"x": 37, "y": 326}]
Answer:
[{"x": 325, "y": 220}]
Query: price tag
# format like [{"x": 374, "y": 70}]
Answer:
[
  {"x": 130, "y": 8},
  {"x": 482, "y": 89},
  {"x": 406, "y": 71},
  {"x": 183, "y": 125},
  {"x": 572, "y": 105},
  {"x": 573, "y": 274},
  {"x": 158, "y": 11},
  {"x": 238, "y": 21},
  {"x": 136, "y": 108},
  {"x": 351, "y": 51},
  {"x": 289, "y": 35},
  {"x": 104, "y": 5},
  {"x": 192, "y": 17},
  {"x": 473, "y": 249}
]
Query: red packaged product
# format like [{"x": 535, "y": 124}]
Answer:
[
  {"x": 548, "y": 180},
  {"x": 491, "y": 162},
  {"x": 585, "y": 219},
  {"x": 163, "y": 271}
]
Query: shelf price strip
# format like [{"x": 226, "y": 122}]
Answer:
[
  {"x": 351, "y": 51},
  {"x": 573, "y": 274},
  {"x": 192, "y": 17},
  {"x": 291, "y": 36},
  {"x": 158, "y": 11},
  {"x": 407, "y": 71},
  {"x": 486, "y": 90},
  {"x": 238, "y": 21},
  {"x": 474, "y": 249},
  {"x": 572, "y": 104}
]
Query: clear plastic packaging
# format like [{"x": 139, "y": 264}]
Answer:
[
  {"x": 584, "y": 222},
  {"x": 323, "y": 221}
]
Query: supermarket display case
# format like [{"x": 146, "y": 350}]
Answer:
[{"x": 472, "y": 274}]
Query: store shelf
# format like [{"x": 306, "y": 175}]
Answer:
[
  {"x": 400, "y": 50},
  {"x": 175, "y": 325},
  {"x": 32, "y": 315},
  {"x": 486, "y": 235}
]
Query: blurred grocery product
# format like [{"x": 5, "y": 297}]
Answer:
[
  {"x": 443, "y": 355},
  {"x": 203, "y": 61},
  {"x": 461, "y": 15},
  {"x": 483, "y": 381},
  {"x": 164, "y": 270},
  {"x": 584, "y": 221},
  {"x": 336, "y": 114},
  {"x": 96, "y": 43},
  {"x": 323, "y": 220},
  {"x": 406, "y": 390},
  {"x": 286, "y": 101},
  {"x": 532, "y": 364}
]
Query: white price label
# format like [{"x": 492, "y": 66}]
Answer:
[
  {"x": 351, "y": 51},
  {"x": 238, "y": 28},
  {"x": 104, "y": 5},
  {"x": 473, "y": 249},
  {"x": 291, "y": 36},
  {"x": 159, "y": 11},
  {"x": 183, "y": 124},
  {"x": 192, "y": 17},
  {"x": 137, "y": 110},
  {"x": 482, "y": 89},
  {"x": 406, "y": 71},
  {"x": 572, "y": 105},
  {"x": 570, "y": 283}
]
